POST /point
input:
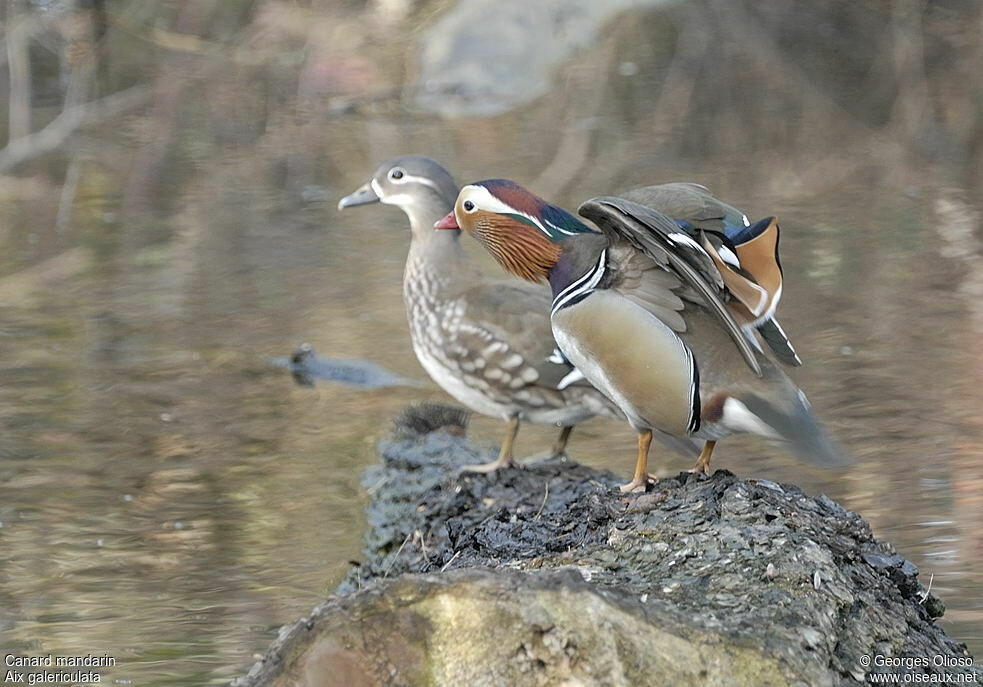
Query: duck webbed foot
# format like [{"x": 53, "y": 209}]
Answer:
[
  {"x": 703, "y": 461},
  {"x": 557, "y": 451},
  {"x": 559, "y": 448},
  {"x": 505, "y": 458},
  {"x": 485, "y": 468},
  {"x": 642, "y": 479}
]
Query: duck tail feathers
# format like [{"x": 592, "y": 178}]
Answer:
[{"x": 796, "y": 425}]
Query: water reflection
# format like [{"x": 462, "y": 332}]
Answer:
[{"x": 170, "y": 498}]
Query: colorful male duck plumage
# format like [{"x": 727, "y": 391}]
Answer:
[
  {"x": 647, "y": 314},
  {"x": 745, "y": 254},
  {"x": 486, "y": 342}
]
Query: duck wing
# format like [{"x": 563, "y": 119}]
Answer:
[
  {"x": 692, "y": 204},
  {"x": 658, "y": 238}
]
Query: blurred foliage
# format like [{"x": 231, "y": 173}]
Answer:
[{"x": 274, "y": 79}]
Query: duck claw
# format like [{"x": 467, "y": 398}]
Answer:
[
  {"x": 487, "y": 468},
  {"x": 637, "y": 486}
]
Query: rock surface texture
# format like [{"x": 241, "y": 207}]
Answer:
[{"x": 549, "y": 576}]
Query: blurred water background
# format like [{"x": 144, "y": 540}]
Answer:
[{"x": 168, "y": 185}]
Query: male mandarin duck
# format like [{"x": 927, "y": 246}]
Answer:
[
  {"x": 486, "y": 342},
  {"x": 652, "y": 315}
]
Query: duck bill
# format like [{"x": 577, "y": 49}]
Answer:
[
  {"x": 363, "y": 196},
  {"x": 449, "y": 222}
]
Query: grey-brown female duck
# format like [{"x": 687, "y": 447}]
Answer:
[
  {"x": 648, "y": 315},
  {"x": 486, "y": 342}
]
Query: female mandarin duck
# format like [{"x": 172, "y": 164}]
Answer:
[
  {"x": 661, "y": 315},
  {"x": 485, "y": 342}
]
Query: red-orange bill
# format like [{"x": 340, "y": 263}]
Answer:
[{"x": 449, "y": 222}]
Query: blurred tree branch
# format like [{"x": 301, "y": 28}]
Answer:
[
  {"x": 911, "y": 113},
  {"x": 80, "y": 57},
  {"x": 190, "y": 44},
  {"x": 71, "y": 119},
  {"x": 18, "y": 59},
  {"x": 577, "y": 137}
]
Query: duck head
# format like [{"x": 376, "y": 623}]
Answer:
[
  {"x": 521, "y": 230},
  {"x": 416, "y": 184}
]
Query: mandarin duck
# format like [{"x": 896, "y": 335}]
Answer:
[
  {"x": 486, "y": 342},
  {"x": 650, "y": 315}
]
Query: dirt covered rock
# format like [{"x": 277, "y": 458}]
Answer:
[{"x": 548, "y": 575}]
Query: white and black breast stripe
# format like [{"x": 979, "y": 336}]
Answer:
[
  {"x": 582, "y": 286},
  {"x": 694, "y": 392}
]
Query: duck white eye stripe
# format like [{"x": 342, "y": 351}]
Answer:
[
  {"x": 484, "y": 200},
  {"x": 406, "y": 178},
  {"x": 577, "y": 288}
]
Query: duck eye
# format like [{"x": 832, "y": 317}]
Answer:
[
  {"x": 468, "y": 206},
  {"x": 396, "y": 174}
]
